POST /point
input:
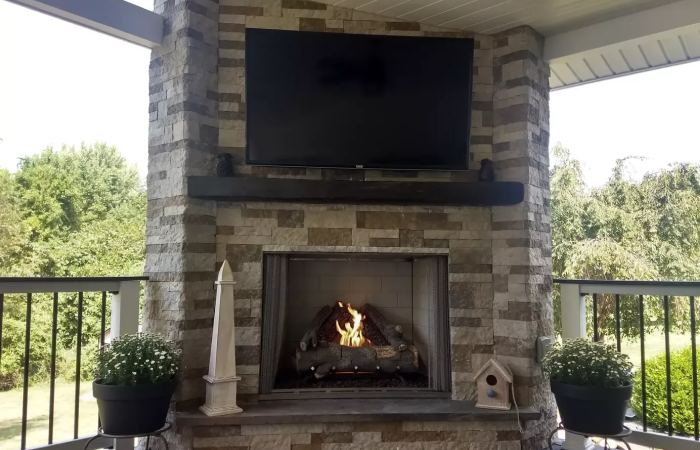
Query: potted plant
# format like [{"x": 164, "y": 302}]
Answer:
[
  {"x": 591, "y": 383},
  {"x": 134, "y": 382}
]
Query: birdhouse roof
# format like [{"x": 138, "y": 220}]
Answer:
[{"x": 503, "y": 369}]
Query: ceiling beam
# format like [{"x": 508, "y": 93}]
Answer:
[
  {"x": 116, "y": 18},
  {"x": 652, "y": 21}
]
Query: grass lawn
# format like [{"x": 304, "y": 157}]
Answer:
[
  {"x": 38, "y": 414},
  {"x": 654, "y": 344}
]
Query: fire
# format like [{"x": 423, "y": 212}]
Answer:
[{"x": 351, "y": 335}]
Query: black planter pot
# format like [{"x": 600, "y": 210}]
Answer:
[
  {"x": 133, "y": 410},
  {"x": 592, "y": 410}
]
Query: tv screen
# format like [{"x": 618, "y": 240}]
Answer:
[{"x": 346, "y": 100}]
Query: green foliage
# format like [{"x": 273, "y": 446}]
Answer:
[
  {"x": 681, "y": 392},
  {"x": 73, "y": 212},
  {"x": 137, "y": 359},
  {"x": 14, "y": 234},
  {"x": 626, "y": 230},
  {"x": 584, "y": 363}
]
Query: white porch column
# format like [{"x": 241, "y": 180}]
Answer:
[
  {"x": 573, "y": 325},
  {"x": 222, "y": 380},
  {"x": 125, "y": 320}
]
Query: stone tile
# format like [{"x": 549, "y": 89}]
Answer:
[
  {"x": 290, "y": 219},
  {"x": 366, "y": 437},
  {"x": 330, "y": 219},
  {"x": 252, "y": 231},
  {"x": 383, "y": 242},
  {"x": 274, "y": 23},
  {"x": 216, "y": 431},
  {"x": 260, "y": 430},
  {"x": 248, "y": 354},
  {"x": 332, "y": 438},
  {"x": 223, "y": 441},
  {"x": 410, "y": 238},
  {"x": 472, "y": 335},
  {"x": 247, "y": 335},
  {"x": 330, "y": 236},
  {"x": 297, "y": 439},
  {"x": 243, "y": 253},
  {"x": 337, "y": 427},
  {"x": 290, "y": 236},
  {"x": 271, "y": 442}
]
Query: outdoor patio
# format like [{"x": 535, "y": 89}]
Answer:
[{"x": 448, "y": 269}]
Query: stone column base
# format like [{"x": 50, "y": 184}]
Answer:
[{"x": 221, "y": 396}]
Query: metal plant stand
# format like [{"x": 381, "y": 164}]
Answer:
[
  {"x": 157, "y": 434},
  {"x": 618, "y": 437}
]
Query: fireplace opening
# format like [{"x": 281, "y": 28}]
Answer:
[{"x": 345, "y": 324}]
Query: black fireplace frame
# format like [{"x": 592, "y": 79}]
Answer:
[{"x": 275, "y": 281}]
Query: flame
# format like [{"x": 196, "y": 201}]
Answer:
[{"x": 351, "y": 335}]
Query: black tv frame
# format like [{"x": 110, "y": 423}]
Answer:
[{"x": 467, "y": 165}]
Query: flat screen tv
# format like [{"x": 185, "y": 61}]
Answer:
[{"x": 359, "y": 101}]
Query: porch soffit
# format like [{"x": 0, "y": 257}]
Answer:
[{"x": 585, "y": 40}]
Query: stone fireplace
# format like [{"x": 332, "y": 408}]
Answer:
[{"x": 497, "y": 261}]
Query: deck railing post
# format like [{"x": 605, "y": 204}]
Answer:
[
  {"x": 573, "y": 311},
  {"x": 125, "y": 320},
  {"x": 573, "y": 325},
  {"x": 125, "y": 309}
]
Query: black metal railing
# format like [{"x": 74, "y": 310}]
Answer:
[
  {"x": 29, "y": 289},
  {"x": 643, "y": 292}
]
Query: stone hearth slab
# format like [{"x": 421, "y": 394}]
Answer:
[{"x": 357, "y": 410}]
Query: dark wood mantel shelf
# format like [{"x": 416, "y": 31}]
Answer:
[
  {"x": 356, "y": 192},
  {"x": 358, "y": 410}
]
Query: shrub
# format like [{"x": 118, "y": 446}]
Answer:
[
  {"x": 681, "y": 392},
  {"x": 67, "y": 358},
  {"x": 584, "y": 363},
  {"x": 141, "y": 358}
]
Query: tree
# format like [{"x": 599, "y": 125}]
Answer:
[
  {"x": 62, "y": 191},
  {"x": 631, "y": 230},
  {"x": 72, "y": 212}
]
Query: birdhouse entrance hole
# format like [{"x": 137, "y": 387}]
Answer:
[{"x": 491, "y": 380}]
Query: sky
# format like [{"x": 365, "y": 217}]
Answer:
[{"x": 60, "y": 83}]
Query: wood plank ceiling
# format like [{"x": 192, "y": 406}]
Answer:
[{"x": 549, "y": 17}]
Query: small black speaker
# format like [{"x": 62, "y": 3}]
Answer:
[{"x": 224, "y": 165}]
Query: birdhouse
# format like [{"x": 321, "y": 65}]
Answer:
[{"x": 493, "y": 386}]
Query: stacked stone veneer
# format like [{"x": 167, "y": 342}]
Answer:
[
  {"x": 499, "y": 258},
  {"x": 359, "y": 436}
]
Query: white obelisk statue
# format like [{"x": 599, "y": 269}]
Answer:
[{"x": 222, "y": 379}]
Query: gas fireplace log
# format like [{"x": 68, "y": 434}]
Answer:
[
  {"x": 327, "y": 330},
  {"x": 337, "y": 358},
  {"x": 310, "y": 335},
  {"x": 332, "y": 353},
  {"x": 393, "y": 333}
]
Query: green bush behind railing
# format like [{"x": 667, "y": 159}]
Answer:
[{"x": 682, "y": 407}]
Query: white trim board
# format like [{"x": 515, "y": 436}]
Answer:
[
  {"x": 116, "y": 18},
  {"x": 643, "y": 24}
]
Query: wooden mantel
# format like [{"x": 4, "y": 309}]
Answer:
[{"x": 255, "y": 189}]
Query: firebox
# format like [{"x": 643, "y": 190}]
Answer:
[{"x": 354, "y": 325}]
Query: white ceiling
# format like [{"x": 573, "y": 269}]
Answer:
[
  {"x": 585, "y": 40},
  {"x": 548, "y": 17},
  {"x": 653, "y": 52}
]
